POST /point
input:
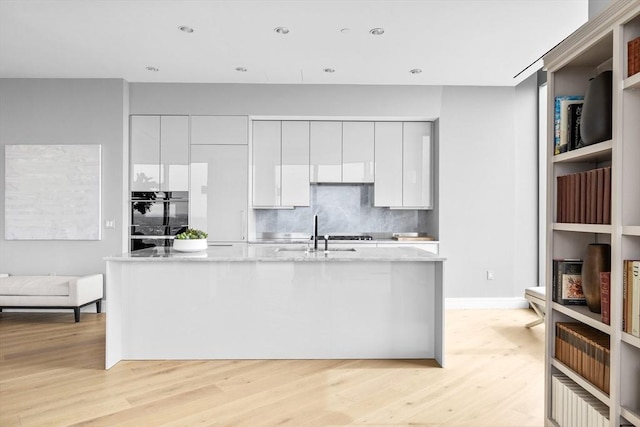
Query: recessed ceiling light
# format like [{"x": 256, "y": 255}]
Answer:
[
  {"x": 281, "y": 30},
  {"x": 345, "y": 30},
  {"x": 186, "y": 29},
  {"x": 415, "y": 71},
  {"x": 241, "y": 69},
  {"x": 376, "y": 31},
  {"x": 329, "y": 70},
  {"x": 151, "y": 68}
]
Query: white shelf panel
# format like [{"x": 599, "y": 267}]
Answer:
[
  {"x": 583, "y": 228},
  {"x": 631, "y": 416},
  {"x": 632, "y": 82},
  {"x": 631, "y": 340},
  {"x": 578, "y": 379},
  {"x": 631, "y": 230},
  {"x": 592, "y": 153},
  {"x": 581, "y": 313}
]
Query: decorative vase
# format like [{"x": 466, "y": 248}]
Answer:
[
  {"x": 190, "y": 245},
  {"x": 596, "y": 117},
  {"x": 596, "y": 260}
]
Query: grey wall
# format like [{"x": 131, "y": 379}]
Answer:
[{"x": 52, "y": 111}]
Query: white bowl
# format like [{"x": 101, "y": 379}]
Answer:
[{"x": 190, "y": 245}]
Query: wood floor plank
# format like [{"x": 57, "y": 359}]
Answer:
[{"x": 52, "y": 373}]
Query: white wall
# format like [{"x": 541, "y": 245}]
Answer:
[{"x": 62, "y": 111}]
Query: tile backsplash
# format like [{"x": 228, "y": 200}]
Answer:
[{"x": 341, "y": 209}]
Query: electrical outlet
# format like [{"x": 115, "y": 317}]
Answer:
[
  {"x": 110, "y": 223},
  {"x": 489, "y": 274}
]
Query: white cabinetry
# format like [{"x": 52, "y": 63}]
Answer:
[
  {"x": 387, "y": 190},
  {"x": 357, "y": 152},
  {"x": 219, "y": 130},
  {"x": 601, "y": 44},
  {"x": 280, "y": 163},
  {"x": 267, "y": 179},
  {"x": 159, "y": 153},
  {"x": 295, "y": 163},
  {"x": 425, "y": 246},
  {"x": 218, "y": 191},
  {"x": 416, "y": 165},
  {"x": 403, "y": 165},
  {"x": 325, "y": 152}
]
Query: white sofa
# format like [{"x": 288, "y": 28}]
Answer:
[{"x": 51, "y": 292}]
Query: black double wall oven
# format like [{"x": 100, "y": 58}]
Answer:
[{"x": 156, "y": 217}]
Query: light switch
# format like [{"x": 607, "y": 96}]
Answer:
[{"x": 110, "y": 223}]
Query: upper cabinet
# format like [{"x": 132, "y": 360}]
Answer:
[
  {"x": 159, "y": 153},
  {"x": 357, "y": 152},
  {"x": 225, "y": 130},
  {"x": 387, "y": 190},
  {"x": 295, "y": 163},
  {"x": 416, "y": 165},
  {"x": 280, "y": 163},
  {"x": 325, "y": 152},
  {"x": 403, "y": 165},
  {"x": 341, "y": 152}
]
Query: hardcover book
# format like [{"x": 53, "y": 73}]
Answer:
[
  {"x": 567, "y": 283},
  {"x": 605, "y": 300},
  {"x": 558, "y": 112},
  {"x": 574, "y": 113}
]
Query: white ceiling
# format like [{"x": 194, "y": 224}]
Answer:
[{"x": 454, "y": 42}]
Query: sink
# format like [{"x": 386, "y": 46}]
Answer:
[{"x": 319, "y": 250}]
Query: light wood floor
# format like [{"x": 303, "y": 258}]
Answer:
[{"x": 51, "y": 374}]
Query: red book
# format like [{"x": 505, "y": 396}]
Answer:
[
  {"x": 600, "y": 196},
  {"x": 605, "y": 301},
  {"x": 594, "y": 196},
  {"x": 583, "y": 197},
  {"x": 606, "y": 211}
]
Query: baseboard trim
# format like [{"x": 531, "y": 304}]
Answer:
[{"x": 485, "y": 303}]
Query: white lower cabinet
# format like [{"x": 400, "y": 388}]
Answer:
[{"x": 218, "y": 191}]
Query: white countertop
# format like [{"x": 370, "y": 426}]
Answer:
[{"x": 246, "y": 252}]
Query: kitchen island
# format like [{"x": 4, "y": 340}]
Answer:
[{"x": 252, "y": 302}]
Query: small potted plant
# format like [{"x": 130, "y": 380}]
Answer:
[{"x": 192, "y": 240}]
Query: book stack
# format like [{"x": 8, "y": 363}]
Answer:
[
  {"x": 631, "y": 297},
  {"x": 584, "y": 197},
  {"x": 567, "y": 282},
  {"x": 633, "y": 57},
  {"x": 585, "y": 350},
  {"x": 571, "y": 405},
  {"x": 568, "y": 110}
]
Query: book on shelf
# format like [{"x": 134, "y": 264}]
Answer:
[
  {"x": 560, "y": 121},
  {"x": 572, "y": 405},
  {"x": 633, "y": 57},
  {"x": 574, "y": 115},
  {"x": 605, "y": 298},
  {"x": 586, "y": 351},
  {"x": 584, "y": 197},
  {"x": 567, "y": 282},
  {"x": 631, "y": 297}
]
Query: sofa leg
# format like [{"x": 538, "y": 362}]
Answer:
[
  {"x": 99, "y": 306},
  {"x": 76, "y": 313}
]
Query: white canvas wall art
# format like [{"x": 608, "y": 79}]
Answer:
[{"x": 52, "y": 192}]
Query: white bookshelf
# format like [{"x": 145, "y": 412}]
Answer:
[{"x": 599, "y": 45}]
